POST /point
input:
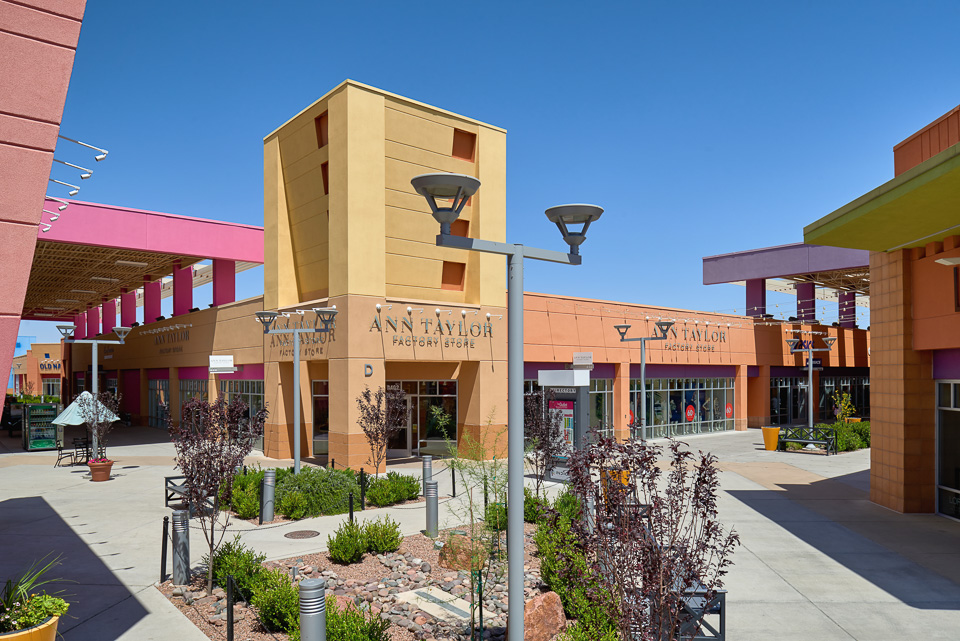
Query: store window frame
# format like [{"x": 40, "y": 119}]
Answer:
[
  {"x": 951, "y": 389},
  {"x": 705, "y": 394},
  {"x": 252, "y": 393},
  {"x": 420, "y": 390},
  {"x": 51, "y": 386},
  {"x": 320, "y": 396}
]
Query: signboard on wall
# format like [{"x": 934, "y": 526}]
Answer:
[
  {"x": 565, "y": 408},
  {"x": 221, "y": 364}
]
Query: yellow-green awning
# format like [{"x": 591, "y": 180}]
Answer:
[{"x": 917, "y": 207}]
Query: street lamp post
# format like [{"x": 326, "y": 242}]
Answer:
[
  {"x": 809, "y": 349},
  {"x": 325, "y": 324},
  {"x": 457, "y": 188},
  {"x": 664, "y": 327},
  {"x": 67, "y": 332}
]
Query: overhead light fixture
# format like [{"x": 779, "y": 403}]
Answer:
[
  {"x": 45, "y": 227},
  {"x": 456, "y": 188},
  {"x": 54, "y": 216},
  {"x": 74, "y": 190},
  {"x": 82, "y": 291},
  {"x": 42, "y": 314},
  {"x": 66, "y": 330},
  {"x": 103, "y": 152},
  {"x": 66, "y": 300},
  {"x": 56, "y": 309},
  {"x": 955, "y": 260},
  {"x": 266, "y": 318},
  {"x": 131, "y": 263},
  {"x": 121, "y": 333},
  {"x": 105, "y": 279},
  {"x": 63, "y": 203},
  {"x": 84, "y": 172},
  {"x": 579, "y": 214}
]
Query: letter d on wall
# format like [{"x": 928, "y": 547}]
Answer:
[{"x": 368, "y": 370}]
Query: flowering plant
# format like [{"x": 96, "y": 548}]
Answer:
[
  {"x": 99, "y": 460},
  {"x": 21, "y": 608}
]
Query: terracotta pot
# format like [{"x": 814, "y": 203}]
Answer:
[
  {"x": 100, "y": 471},
  {"x": 46, "y": 631}
]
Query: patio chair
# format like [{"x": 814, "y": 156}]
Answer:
[{"x": 63, "y": 455}]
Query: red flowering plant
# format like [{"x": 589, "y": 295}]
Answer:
[{"x": 654, "y": 546}]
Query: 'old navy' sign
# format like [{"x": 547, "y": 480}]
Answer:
[
  {"x": 50, "y": 365},
  {"x": 428, "y": 332}
]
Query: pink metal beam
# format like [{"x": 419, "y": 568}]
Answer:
[
  {"x": 224, "y": 282},
  {"x": 109, "y": 308},
  {"x": 80, "y": 323},
  {"x": 93, "y": 322},
  {"x": 182, "y": 290},
  {"x": 128, "y": 309},
  {"x": 151, "y": 301}
]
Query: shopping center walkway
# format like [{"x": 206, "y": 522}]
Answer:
[{"x": 818, "y": 560}]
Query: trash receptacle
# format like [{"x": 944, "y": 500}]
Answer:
[{"x": 771, "y": 435}]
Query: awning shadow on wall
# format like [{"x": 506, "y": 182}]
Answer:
[
  {"x": 30, "y": 529},
  {"x": 913, "y": 557}
]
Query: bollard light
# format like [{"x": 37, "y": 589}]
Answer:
[
  {"x": 181, "y": 547},
  {"x": 313, "y": 610},
  {"x": 267, "y": 493},
  {"x": 432, "y": 509},
  {"x": 427, "y": 471}
]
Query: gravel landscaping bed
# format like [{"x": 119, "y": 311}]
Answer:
[{"x": 372, "y": 584}]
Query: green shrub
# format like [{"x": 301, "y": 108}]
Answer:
[
  {"x": 234, "y": 558},
  {"x": 351, "y": 624},
  {"x": 382, "y": 535},
  {"x": 347, "y": 544},
  {"x": 277, "y": 600},
  {"x": 533, "y": 506},
  {"x": 852, "y": 436},
  {"x": 567, "y": 505},
  {"x": 325, "y": 491},
  {"x": 294, "y": 505},
  {"x": 495, "y": 516},
  {"x": 862, "y": 429},
  {"x": 393, "y": 488}
]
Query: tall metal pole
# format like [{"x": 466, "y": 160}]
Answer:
[
  {"x": 810, "y": 385},
  {"x": 96, "y": 408},
  {"x": 296, "y": 401},
  {"x": 515, "y": 600},
  {"x": 643, "y": 389}
]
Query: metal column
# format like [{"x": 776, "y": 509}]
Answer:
[{"x": 515, "y": 600}]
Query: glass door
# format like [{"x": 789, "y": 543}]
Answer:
[
  {"x": 159, "y": 401},
  {"x": 948, "y": 449},
  {"x": 401, "y": 442}
]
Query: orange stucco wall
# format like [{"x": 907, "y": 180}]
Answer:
[{"x": 36, "y": 365}]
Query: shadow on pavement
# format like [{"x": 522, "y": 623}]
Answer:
[{"x": 31, "y": 529}]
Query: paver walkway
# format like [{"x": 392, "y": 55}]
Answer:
[{"x": 818, "y": 560}]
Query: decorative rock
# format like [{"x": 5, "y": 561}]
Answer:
[
  {"x": 543, "y": 617},
  {"x": 425, "y": 568}
]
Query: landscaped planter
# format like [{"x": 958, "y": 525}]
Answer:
[
  {"x": 46, "y": 631},
  {"x": 100, "y": 471}
]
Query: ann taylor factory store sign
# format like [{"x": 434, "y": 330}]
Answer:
[
  {"x": 430, "y": 332},
  {"x": 698, "y": 339}
]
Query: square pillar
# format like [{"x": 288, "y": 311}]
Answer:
[
  {"x": 93, "y": 322},
  {"x": 621, "y": 402},
  {"x": 128, "y": 308},
  {"x": 182, "y": 290},
  {"x": 224, "y": 282},
  {"x": 806, "y": 301},
  {"x": 847, "y": 309},
  {"x": 758, "y": 398},
  {"x": 756, "y": 297},
  {"x": 109, "y": 308},
  {"x": 80, "y": 321},
  {"x": 151, "y": 300},
  {"x": 740, "y": 415}
]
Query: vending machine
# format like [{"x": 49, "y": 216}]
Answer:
[{"x": 39, "y": 432}]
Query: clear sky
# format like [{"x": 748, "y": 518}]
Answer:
[{"x": 701, "y": 127}]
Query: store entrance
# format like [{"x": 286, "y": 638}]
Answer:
[
  {"x": 948, "y": 449},
  {"x": 401, "y": 443},
  {"x": 159, "y": 402}
]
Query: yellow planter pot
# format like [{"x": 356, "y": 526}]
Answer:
[
  {"x": 770, "y": 437},
  {"x": 46, "y": 631}
]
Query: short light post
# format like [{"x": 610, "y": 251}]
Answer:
[
  {"x": 663, "y": 327},
  {"x": 67, "y": 332},
  {"x": 325, "y": 324},
  {"x": 457, "y": 188},
  {"x": 797, "y": 347}
]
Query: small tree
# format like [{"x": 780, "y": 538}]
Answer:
[
  {"x": 99, "y": 413},
  {"x": 650, "y": 538},
  {"x": 545, "y": 431},
  {"x": 843, "y": 406},
  {"x": 382, "y": 414},
  {"x": 210, "y": 446}
]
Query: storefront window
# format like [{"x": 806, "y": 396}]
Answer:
[
  {"x": 321, "y": 417},
  {"x": 948, "y": 449},
  {"x": 857, "y": 386},
  {"x": 601, "y": 406},
  {"x": 252, "y": 394},
  {"x": 423, "y": 396},
  {"x": 158, "y": 397},
  {"x": 679, "y": 406},
  {"x": 51, "y": 387},
  {"x": 191, "y": 390}
]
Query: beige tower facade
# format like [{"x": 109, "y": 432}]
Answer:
[{"x": 344, "y": 227}]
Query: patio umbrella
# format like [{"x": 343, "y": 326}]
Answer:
[{"x": 74, "y": 416}]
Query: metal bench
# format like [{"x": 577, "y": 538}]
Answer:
[
  {"x": 176, "y": 493},
  {"x": 825, "y": 436}
]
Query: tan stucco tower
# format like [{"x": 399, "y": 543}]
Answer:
[{"x": 344, "y": 227}]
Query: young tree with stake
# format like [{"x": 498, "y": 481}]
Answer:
[{"x": 382, "y": 414}]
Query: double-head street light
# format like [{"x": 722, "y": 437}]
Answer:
[
  {"x": 798, "y": 346},
  {"x": 326, "y": 317},
  {"x": 663, "y": 327},
  {"x": 455, "y": 189},
  {"x": 67, "y": 332}
]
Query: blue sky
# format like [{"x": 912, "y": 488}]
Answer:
[{"x": 701, "y": 127}]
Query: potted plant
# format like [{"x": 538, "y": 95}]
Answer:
[
  {"x": 25, "y": 613},
  {"x": 99, "y": 414}
]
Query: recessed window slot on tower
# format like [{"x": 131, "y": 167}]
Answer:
[
  {"x": 322, "y": 135},
  {"x": 325, "y": 172},
  {"x": 464, "y": 144},
  {"x": 452, "y": 276}
]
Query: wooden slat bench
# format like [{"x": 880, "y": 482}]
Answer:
[
  {"x": 825, "y": 436},
  {"x": 175, "y": 493}
]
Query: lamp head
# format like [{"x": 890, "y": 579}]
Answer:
[
  {"x": 793, "y": 342},
  {"x": 67, "y": 331},
  {"x": 829, "y": 341},
  {"x": 121, "y": 332},
  {"x": 622, "y": 330},
  {"x": 456, "y": 188},
  {"x": 73, "y": 192},
  {"x": 100, "y": 157},
  {"x": 266, "y": 318},
  {"x": 565, "y": 215},
  {"x": 85, "y": 175},
  {"x": 664, "y": 327},
  {"x": 326, "y": 316}
]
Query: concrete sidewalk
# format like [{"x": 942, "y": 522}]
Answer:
[{"x": 818, "y": 560}]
